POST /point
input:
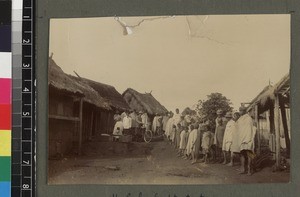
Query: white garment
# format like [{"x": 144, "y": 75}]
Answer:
[
  {"x": 229, "y": 131},
  {"x": 155, "y": 123},
  {"x": 191, "y": 141},
  {"x": 127, "y": 122},
  {"x": 183, "y": 139},
  {"x": 169, "y": 127},
  {"x": 119, "y": 125},
  {"x": 164, "y": 122},
  {"x": 246, "y": 132},
  {"x": 145, "y": 120},
  {"x": 177, "y": 119}
]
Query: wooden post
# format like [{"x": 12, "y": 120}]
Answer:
[
  {"x": 277, "y": 130},
  {"x": 80, "y": 126},
  {"x": 285, "y": 126},
  {"x": 271, "y": 119},
  {"x": 258, "y": 129}
]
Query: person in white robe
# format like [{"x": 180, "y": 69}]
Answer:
[
  {"x": 169, "y": 127},
  {"x": 231, "y": 142},
  {"x": 191, "y": 140},
  {"x": 207, "y": 141},
  {"x": 165, "y": 121},
  {"x": 145, "y": 123},
  {"x": 127, "y": 123},
  {"x": 177, "y": 117},
  {"x": 227, "y": 140},
  {"x": 246, "y": 132},
  {"x": 155, "y": 123},
  {"x": 183, "y": 141}
]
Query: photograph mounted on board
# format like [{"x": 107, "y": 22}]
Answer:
[{"x": 197, "y": 99}]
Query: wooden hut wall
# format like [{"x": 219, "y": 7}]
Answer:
[
  {"x": 61, "y": 136},
  {"x": 89, "y": 121},
  {"x": 105, "y": 122},
  {"x": 61, "y": 131}
]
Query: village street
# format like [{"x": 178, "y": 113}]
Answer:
[{"x": 160, "y": 165}]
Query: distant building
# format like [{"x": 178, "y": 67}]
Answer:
[{"x": 143, "y": 102}]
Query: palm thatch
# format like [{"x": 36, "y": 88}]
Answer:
[
  {"x": 109, "y": 93},
  {"x": 267, "y": 95},
  {"x": 145, "y": 102},
  {"x": 63, "y": 82},
  {"x": 60, "y": 81},
  {"x": 283, "y": 85}
]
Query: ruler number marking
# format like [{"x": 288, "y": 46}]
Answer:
[{"x": 26, "y": 162}]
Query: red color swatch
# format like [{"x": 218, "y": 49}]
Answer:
[
  {"x": 5, "y": 117},
  {"x": 5, "y": 91}
]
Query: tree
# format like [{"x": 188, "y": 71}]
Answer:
[{"x": 207, "y": 109}]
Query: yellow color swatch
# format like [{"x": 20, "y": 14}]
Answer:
[{"x": 5, "y": 143}]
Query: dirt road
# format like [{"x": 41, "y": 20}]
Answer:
[{"x": 161, "y": 166}]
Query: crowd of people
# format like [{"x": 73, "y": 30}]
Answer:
[
  {"x": 195, "y": 140},
  {"x": 232, "y": 137},
  {"x": 134, "y": 123}
]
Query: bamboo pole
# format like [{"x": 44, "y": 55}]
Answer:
[
  {"x": 80, "y": 127},
  {"x": 277, "y": 130}
]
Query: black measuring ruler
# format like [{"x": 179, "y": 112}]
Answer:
[{"x": 23, "y": 148}]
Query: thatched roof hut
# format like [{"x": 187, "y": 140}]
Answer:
[
  {"x": 145, "y": 102},
  {"x": 59, "y": 80},
  {"x": 109, "y": 93}
]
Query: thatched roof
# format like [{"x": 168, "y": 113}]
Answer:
[
  {"x": 145, "y": 102},
  {"x": 283, "y": 85},
  {"x": 109, "y": 93},
  {"x": 66, "y": 83},
  {"x": 59, "y": 80},
  {"x": 267, "y": 95}
]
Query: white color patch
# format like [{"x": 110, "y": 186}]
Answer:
[
  {"x": 17, "y": 4},
  {"x": 5, "y": 65}
]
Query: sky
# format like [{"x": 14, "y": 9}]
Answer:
[{"x": 179, "y": 59}]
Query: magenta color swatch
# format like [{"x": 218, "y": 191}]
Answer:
[{"x": 5, "y": 91}]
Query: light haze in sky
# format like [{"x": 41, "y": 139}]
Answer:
[{"x": 181, "y": 59}]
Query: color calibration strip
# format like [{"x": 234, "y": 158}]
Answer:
[
  {"x": 17, "y": 6},
  {"x": 5, "y": 98},
  {"x": 23, "y": 120}
]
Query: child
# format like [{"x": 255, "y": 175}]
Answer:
[
  {"x": 183, "y": 141},
  {"x": 177, "y": 135},
  {"x": 195, "y": 141},
  {"x": 173, "y": 135},
  {"x": 207, "y": 140}
]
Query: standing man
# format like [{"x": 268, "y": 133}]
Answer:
[
  {"x": 165, "y": 121},
  {"x": 155, "y": 123},
  {"x": 246, "y": 133},
  {"x": 227, "y": 140},
  {"x": 127, "y": 122},
  {"x": 145, "y": 122},
  {"x": 134, "y": 124},
  {"x": 219, "y": 134},
  {"x": 177, "y": 117}
]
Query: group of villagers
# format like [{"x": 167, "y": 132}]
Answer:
[{"x": 233, "y": 137}]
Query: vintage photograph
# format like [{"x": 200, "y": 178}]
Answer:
[{"x": 196, "y": 99}]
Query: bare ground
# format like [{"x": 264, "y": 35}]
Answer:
[{"x": 160, "y": 165}]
